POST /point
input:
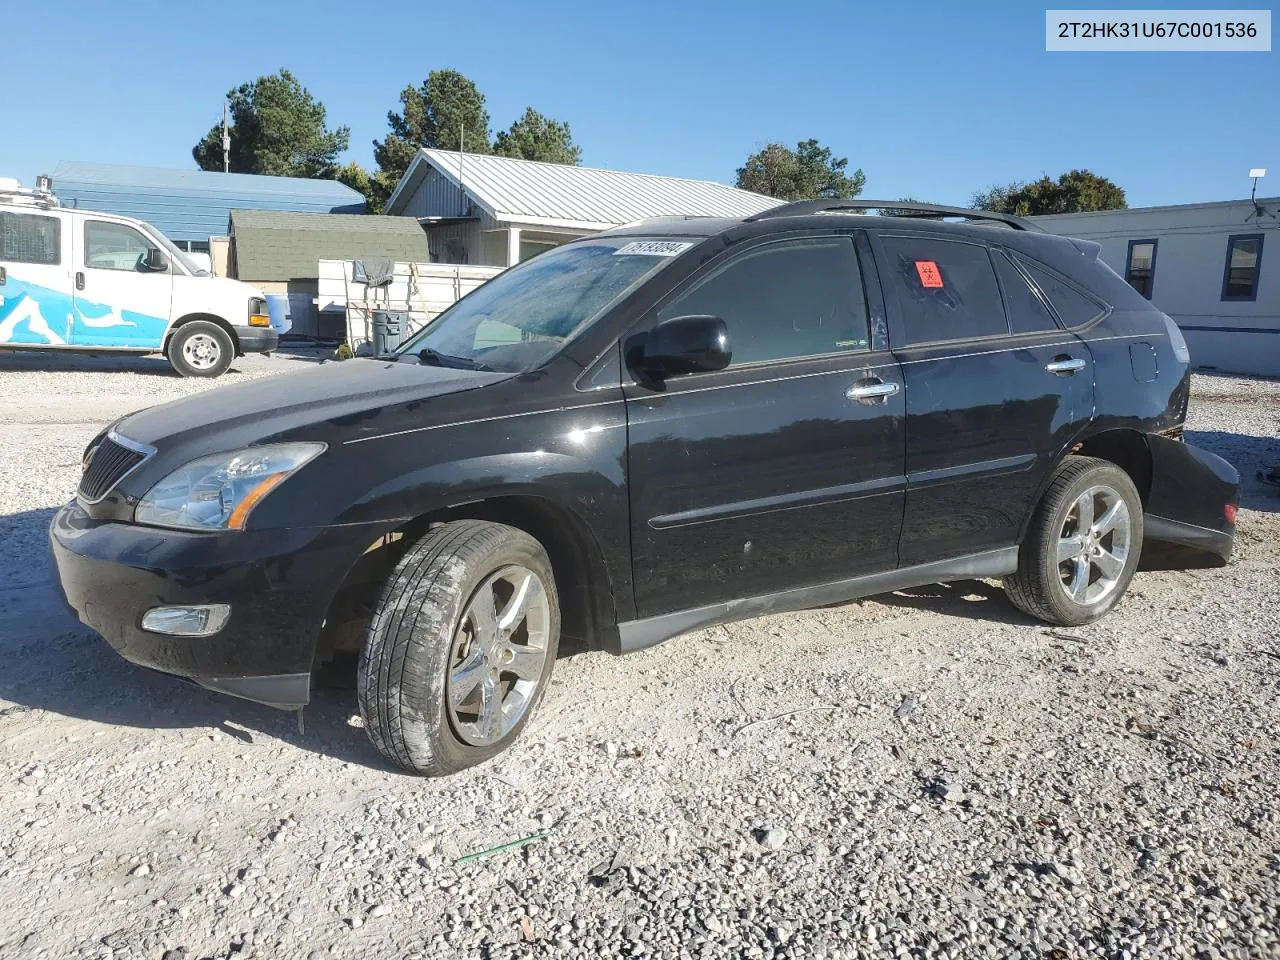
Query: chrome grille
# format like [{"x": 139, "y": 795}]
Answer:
[{"x": 110, "y": 461}]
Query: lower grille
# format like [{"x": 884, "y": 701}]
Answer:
[{"x": 107, "y": 467}]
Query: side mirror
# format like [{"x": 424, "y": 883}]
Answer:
[
  {"x": 692, "y": 344},
  {"x": 155, "y": 261}
]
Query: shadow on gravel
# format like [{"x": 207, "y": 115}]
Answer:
[
  {"x": 54, "y": 663},
  {"x": 1248, "y": 454},
  {"x": 153, "y": 365},
  {"x": 974, "y": 599}
]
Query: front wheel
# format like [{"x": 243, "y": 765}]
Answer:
[
  {"x": 460, "y": 648},
  {"x": 1082, "y": 547},
  {"x": 200, "y": 349}
]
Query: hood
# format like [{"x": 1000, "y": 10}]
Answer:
[{"x": 245, "y": 413}]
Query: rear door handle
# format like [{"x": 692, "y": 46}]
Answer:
[
  {"x": 79, "y": 280},
  {"x": 871, "y": 391},
  {"x": 1064, "y": 365}
]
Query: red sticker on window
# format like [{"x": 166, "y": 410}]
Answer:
[{"x": 929, "y": 274}]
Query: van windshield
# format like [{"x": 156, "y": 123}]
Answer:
[{"x": 524, "y": 316}]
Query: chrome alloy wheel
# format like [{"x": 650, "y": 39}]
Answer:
[
  {"x": 201, "y": 351},
  {"x": 1093, "y": 545},
  {"x": 498, "y": 655}
]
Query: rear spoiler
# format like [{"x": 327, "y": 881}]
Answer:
[{"x": 1088, "y": 248}]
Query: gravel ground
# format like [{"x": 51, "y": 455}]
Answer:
[{"x": 925, "y": 774}]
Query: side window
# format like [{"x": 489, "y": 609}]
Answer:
[
  {"x": 946, "y": 288},
  {"x": 792, "y": 298},
  {"x": 1240, "y": 275},
  {"x": 1140, "y": 268},
  {"x": 30, "y": 238},
  {"x": 1027, "y": 312},
  {"x": 113, "y": 246},
  {"x": 1073, "y": 307}
]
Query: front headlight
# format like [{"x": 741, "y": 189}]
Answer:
[{"x": 219, "y": 492}]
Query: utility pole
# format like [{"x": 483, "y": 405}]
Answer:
[{"x": 226, "y": 140}]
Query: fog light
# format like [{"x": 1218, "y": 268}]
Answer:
[{"x": 195, "y": 621}]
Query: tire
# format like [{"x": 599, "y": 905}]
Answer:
[
  {"x": 1081, "y": 587},
  {"x": 428, "y": 662},
  {"x": 200, "y": 349}
]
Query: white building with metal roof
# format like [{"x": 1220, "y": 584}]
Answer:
[{"x": 497, "y": 211}]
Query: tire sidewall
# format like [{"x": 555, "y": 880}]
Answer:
[
  {"x": 426, "y": 730},
  {"x": 191, "y": 329},
  {"x": 1098, "y": 475}
]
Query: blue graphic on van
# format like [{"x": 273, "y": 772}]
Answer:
[{"x": 32, "y": 314}]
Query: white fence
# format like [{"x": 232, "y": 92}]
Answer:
[{"x": 422, "y": 290}]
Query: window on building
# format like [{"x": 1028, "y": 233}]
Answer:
[
  {"x": 1027, "y": 312},
  {"x": 113, "y": 246},
  {"x": 1140, "y": 267},
  {"x": 1074, "y": 308},
  {"x": 947, "y": 290},
  {"x": 792, "y": 298},
  {"x": 1240, "y": 275},
  {"x": 30, "y": 238}
]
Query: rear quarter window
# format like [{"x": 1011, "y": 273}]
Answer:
[
  {"x": 946, "y": 290},
  {"x": 30, "y": 238},
  {"x": 1074, "y": 307}
]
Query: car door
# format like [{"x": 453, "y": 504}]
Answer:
[
  {"x": 119, "y": 301},
  {"x": 35, "y": 280},
  {"x": 785, "y": 468},
  {"x": 994, "y": 389}
]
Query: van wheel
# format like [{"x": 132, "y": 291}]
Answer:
[
  {"x": 1082, "y": 547},
  {"x": 200, "y": 349},
  {"x": 460, "y": 648}
]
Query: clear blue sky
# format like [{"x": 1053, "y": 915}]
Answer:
[{"x": 935, "y": 100}]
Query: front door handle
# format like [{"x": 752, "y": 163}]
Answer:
[
  {"x": 1064, "y": 365},
  {"x": 871, "y": 391},
  {"x": 79, "y": 279}
]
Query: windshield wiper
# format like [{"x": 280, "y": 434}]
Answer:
[{"x": 435, "y": 358}]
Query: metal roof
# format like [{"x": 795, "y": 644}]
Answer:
[
  {"x": 525, "y": 191},
  {"x": 275, "y": 245},
  {"x": 193, "y": 204}
]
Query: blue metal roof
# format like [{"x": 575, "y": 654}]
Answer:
[{"x": 193, "y": 204}]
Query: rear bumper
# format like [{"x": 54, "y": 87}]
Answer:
[
  {"x": 1193, "y": 494},
  {"x": 278, "y": 583},
  {"x": 257, "y": 339}
]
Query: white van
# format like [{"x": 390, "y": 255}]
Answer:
[{"x": 72, "y": 279}]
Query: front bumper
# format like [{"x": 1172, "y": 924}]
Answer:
[
  {"x": 257, "y": 339},
  {"x": 278, "y": 583}
]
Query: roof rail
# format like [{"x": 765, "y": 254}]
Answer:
[{"x": 805, "y": 208}]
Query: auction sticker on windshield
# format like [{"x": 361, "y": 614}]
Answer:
[{"x": 654, "y": 248}]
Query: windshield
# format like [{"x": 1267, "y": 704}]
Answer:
[
  {"x": 522, "y": 317},
  {"x": 175, "y": 253}
]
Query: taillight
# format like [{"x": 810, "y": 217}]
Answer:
[{"x": 1229, "y": 511}]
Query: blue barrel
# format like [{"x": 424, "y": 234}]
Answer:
[{"x": 278, "y": 311}]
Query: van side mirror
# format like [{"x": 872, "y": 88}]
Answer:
[
  {"x": 693, "y": 344},
  {"x": 155, "y": 261}
]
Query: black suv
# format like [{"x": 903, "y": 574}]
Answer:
[{"x": 678, "y": 423}]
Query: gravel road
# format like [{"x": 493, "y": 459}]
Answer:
[{"x": 925, "y": 774}]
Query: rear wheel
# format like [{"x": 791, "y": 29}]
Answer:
[
  {"x": 200, "y": 349},
  {"x": 1082, "y": 547},
  {"x": 460, "y": 648}
]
